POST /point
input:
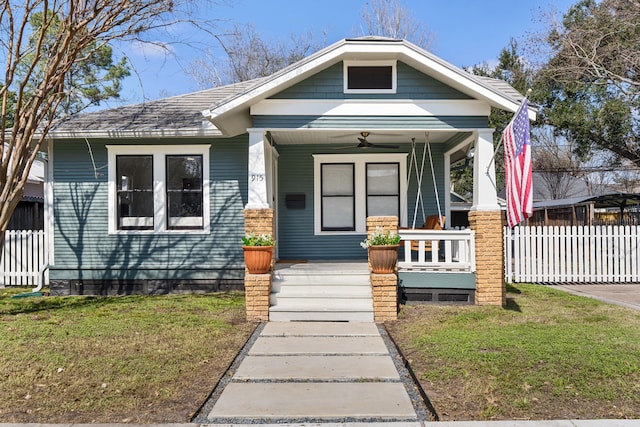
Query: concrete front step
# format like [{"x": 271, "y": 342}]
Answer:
[{"x": 321, "y": 291}]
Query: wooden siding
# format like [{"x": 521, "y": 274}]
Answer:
[
  {"x": 411, "y": 84},
  {"x": 371, "y": 122},
  {"x": 85, "y": 250},
  {"x": 296, "y": 239}
]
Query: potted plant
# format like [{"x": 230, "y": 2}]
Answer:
[
  {"x": 383, "y": 250},
  {"x": 258, "y": 252}
]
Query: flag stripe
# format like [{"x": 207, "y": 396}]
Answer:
[{"x": 517, "y": 166}]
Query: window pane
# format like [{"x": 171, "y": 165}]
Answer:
[
  {"x": 382, "y": 206},
  {"x": 134, "y": 176},
  {"x": 370, "y": 77},
  {"x": 184, "y": 192},
  {"x": 382, "y": 178},
  {"x": 337, "y": 213},
  {"x": 337, "y": 180}
]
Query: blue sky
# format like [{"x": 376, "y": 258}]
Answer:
[{"x": 466, "y": 32}]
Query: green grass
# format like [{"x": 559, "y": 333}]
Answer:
[
  {"x": 547, "y": 355},
  {"x": 113, "y": 359}
]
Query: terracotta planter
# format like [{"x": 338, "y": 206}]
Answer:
[
  {"x": 383, "y": 258},
  {"x": 258, "y": 258}
]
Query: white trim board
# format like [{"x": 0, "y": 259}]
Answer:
[{"x": 401, "y": 107}]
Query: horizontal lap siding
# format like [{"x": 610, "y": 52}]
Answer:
[
  {"x": 82, "y": 241},
  {"x": 296, "y": 238},
  {"x": 412, "y": 84}
]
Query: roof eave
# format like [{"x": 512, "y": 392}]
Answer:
[{"x": 133, "y": 133}]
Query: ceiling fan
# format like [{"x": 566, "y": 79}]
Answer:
[{"x": 366, "y": 144}]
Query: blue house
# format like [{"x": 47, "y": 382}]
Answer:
[{"x": 150, "y": 197}]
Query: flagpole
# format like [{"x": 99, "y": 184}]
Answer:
[{"x": 502, "y": 134}]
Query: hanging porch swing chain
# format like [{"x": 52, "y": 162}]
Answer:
[{"x": 414, "y": 162}]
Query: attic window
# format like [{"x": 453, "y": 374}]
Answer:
[{"x": 370, "y": 77}]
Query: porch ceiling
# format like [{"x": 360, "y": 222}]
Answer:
[{"x": 350, "y": 136}]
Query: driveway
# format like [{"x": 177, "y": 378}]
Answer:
[{"x": 627, "y": 295}]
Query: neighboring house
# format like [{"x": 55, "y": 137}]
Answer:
[
  {"x": 151, "y": 197},
  {"x": 29, "y": 214},
  {"x": 605, "y": 209}
]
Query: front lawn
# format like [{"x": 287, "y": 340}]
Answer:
[
  {"x": 115, "y": 359},
  {"x": 548, "y": 355}
]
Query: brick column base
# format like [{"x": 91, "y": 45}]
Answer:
[
  {"x": 490, "y": 285},
  {"x": 257, "y": 287},
  {"x": 384, "y": 288}
]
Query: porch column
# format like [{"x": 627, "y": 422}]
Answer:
[
  {"x": 485, "y": 218},
  {"x": 259, "y": 219},
  {"x": 257, "y": 287},
  {"x": 258, "y": 179}
]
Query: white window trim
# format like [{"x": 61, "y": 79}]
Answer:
[
  {"x": 360, "y": 161},
  {"x": 394, "y": 75},
  {"x": 159, "y": 152}
]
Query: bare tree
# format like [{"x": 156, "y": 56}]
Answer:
[
  {"x": 248, "y": 56},
  {"x": 390, "y": 18},
  {"x": 38, "y": 63},
  {"x": 557, "y": 167}
]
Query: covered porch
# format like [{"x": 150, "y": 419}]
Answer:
[
  {"x": 282, "y": 165},
  {"x": 405, "y": 173}
]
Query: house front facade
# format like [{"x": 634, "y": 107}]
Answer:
[{"x": 153, "y": 197}]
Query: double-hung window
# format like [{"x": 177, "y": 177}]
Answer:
[
  {"x": 158, "y": 188},
  {"x": 338, "y": 197},
  {"x": 349, "y": 188}
]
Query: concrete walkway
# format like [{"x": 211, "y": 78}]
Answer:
[
  {"x": 293, "y": 372},
  {"x": 625, "y": 295}
]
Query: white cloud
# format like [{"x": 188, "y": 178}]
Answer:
[{"x": 154, "y": 49}]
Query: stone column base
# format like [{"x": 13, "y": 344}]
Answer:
[{"x": 490, "y": 285}]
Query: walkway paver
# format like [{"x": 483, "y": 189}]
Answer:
[
  {"x": 317, "y": 368},
  {"x": 314, "y": 400},
  {"x": 319, "y": 345},
  {"x": 296, "y": 372}
]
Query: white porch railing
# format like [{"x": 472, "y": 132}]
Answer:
[
  {"x": 451, "y": 250},
  {"x": 23, "y": 256}
]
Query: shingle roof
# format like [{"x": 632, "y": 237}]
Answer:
[{"x": 176, "y": 113}]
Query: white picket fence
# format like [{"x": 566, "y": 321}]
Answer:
[
  {"x": 596, "y": 254},
  {"x": 23, "y": 256}
]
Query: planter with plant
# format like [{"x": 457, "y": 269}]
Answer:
[
  {"x": 383, "y": 250},
  {"x": 258, "y": 252}
]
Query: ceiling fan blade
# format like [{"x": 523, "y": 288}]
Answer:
[{"x": 383, "y": 146}]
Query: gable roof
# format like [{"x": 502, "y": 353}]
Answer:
[
  {"x": 231, "y": 115},
  {"x": 225, "y": 110}
]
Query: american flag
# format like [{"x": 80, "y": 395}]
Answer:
[{"x": 517, "y": 166}]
